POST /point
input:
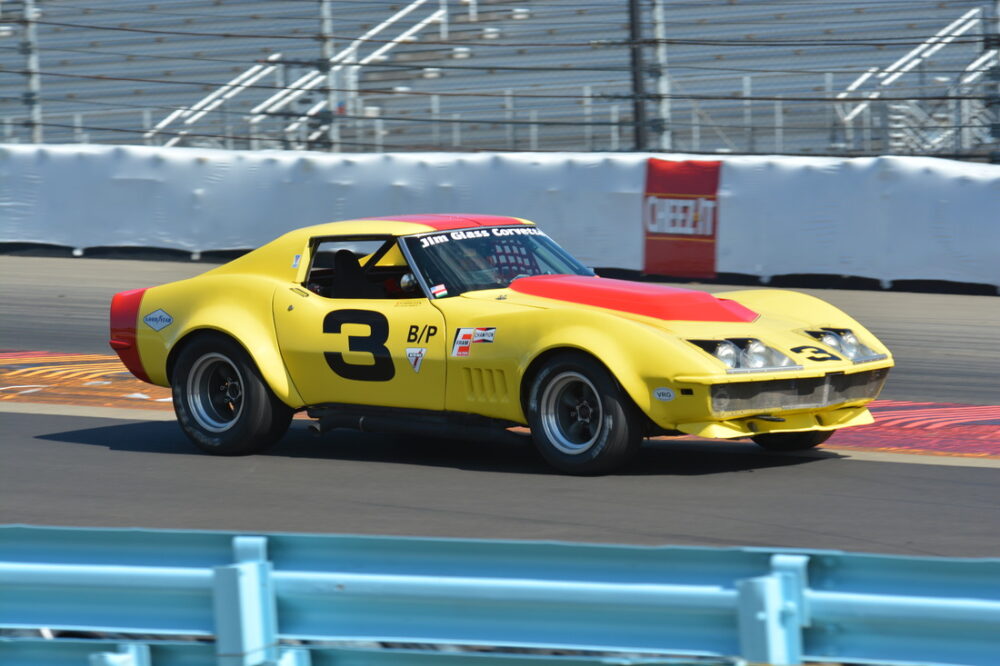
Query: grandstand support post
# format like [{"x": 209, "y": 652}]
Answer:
[
  {"x": 508, "y": 112},
  {"x": 329, "y": 51},
  {"x": 664, "y": 129},
  {"x": 227, "y": 126},
  {"x": 29, "y": 48},
  {"x": 456, "y": 130},
  {"x": 436, "y": 120},
  {"x": 78, "y": 134},
  {"x": 638, "y": 75},
  {"x": 779, "y": 126},
  {"x": 147, "y": 124},
  {"x": 748, "y": 114},
  {"x": 533, "y": 130},
  {"x": 866, "y": 129},
  {"x": 831, "y": 120},
  {"x": 616, "y": 138},
  {"x": 588, "y": 118},
  {"x": 695, "y": 129},
  {"x": 379, "y": 131},
  {"x": 443, "y": 7}
]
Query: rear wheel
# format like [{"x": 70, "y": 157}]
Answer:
[
  {"x": 581, "y": 420},
  {"x": 222, "y": 403},
  {"x": 792, "y": 441}
]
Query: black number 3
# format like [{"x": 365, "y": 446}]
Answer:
[
  {"x": 374, "y": 343},
  {"x": 817, "y": 353}
]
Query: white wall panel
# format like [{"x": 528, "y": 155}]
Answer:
[{"x": 886, "y": 218}]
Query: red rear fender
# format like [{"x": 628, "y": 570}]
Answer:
[{"x": 124, "y": 319}]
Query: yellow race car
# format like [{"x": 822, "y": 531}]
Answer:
[{"x": 472, "y": 324}]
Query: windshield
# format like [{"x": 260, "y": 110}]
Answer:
[{"x": 454, "y": 262}]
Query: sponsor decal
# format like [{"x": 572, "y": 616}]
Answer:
[
  {"x": 462, "y": 342},
  {"x": 681, "y": 217},
  {"x": 498, "y": 232},
  {"x": 296, "y": 260},
  {"x": 158, "y": 320},
  {"x": 439, "y": 291},
  {"x": 420, "y": 334},
  {"x": 663, "y": 394},
  {"x": 484, "y": 334},
  {"x": 466, "y": 337},
  {"x": 415, "y": 355}
]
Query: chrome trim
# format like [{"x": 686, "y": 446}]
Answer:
[
  {"x": 744, "y": 371},
  {"x": 413, "y": 265}
]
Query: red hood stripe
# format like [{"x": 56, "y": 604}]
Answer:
[{"x": 641, "y": 298}]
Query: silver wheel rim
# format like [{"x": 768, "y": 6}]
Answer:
[
  {"x": 215, "y": 392},
  {"x": 571, "y": 413}
]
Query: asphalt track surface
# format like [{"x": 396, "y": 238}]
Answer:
[{"x": 66, "y": 464}]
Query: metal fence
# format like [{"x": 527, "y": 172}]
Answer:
[
  {"x": 257, "y": 597},
  {"x": 851, "y": 78}
]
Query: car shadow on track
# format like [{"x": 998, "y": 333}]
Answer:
[{"x": 658, "y": 457}]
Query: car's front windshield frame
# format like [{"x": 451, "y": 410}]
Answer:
[{"x": 440, "y": 279}]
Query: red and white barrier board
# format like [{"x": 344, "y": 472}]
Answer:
[
  {"x": 888, "y": 218},
  {"x": 680, "y": 216}
]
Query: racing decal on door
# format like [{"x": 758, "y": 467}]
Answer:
[
  {"x": 415, "y": 355},
  {"x": 466, "y": 337},
  {"x": 680, "y": 217},
  {"x": 420, "y": 334},
  {"x": 374, "y": 344}
]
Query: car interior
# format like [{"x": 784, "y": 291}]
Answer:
[{"x": 361, "y": 268}]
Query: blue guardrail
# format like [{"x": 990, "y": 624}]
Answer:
[{"x": 235, "y": 599}]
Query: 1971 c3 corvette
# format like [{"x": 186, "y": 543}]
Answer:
[{"x": 478, "y": 323}]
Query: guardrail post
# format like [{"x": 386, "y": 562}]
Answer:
[
  {"x": 133, "y": 654},
  {"x": 246, "y": 623},
  {"x": 292, "y": 657},
  {"x": 772, "y": 612}
]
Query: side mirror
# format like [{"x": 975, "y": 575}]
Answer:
[{"x": 408, "y": 282}]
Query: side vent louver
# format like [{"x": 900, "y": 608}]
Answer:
[{"x": 486, "y": 384}]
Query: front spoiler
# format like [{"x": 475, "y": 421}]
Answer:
[{"x": 748, "y": 426}]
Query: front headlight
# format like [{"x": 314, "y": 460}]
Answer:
[
  {"x": 728, "y": 353},
  {"x": 746, "y": 355},
  {"x": 844, "y": 341}
]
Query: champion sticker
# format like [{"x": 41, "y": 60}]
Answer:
[
  {"x": 296, "y": 260},
  {"x": 439, "y": 291},
  {"x": 415, "y": 355},
  {"x": 484, "y": 334},
  {"x": 158, "y": 320},
  {"x": 466, "y": 337},
  {"x": 664, "y": 394}
]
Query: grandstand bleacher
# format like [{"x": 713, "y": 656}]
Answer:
[{"x": 745, "y": 76}]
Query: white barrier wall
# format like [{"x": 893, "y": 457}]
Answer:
[{"x": 887, "y": 218}]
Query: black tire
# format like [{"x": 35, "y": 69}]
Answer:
[
  {"x": 792, "y": 441},
  {"x": 581, "y": 421},
  {"x": 222, "y": 403}
]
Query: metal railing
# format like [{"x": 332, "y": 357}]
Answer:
[
  {"x": 348, "y": 59},
  {"x": 256, "y": 596},
  {"x": 954, "y": 124}
]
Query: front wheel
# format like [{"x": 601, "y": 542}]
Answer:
[
  {"x": 222, "y": 403},
  {"x": 792, "y": 441},
  {"x": 581, "y": 420}
]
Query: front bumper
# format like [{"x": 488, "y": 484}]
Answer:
[{"x": 744, "y": 408}]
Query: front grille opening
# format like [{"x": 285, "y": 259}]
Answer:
[{"x": 805, "y": 393}]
